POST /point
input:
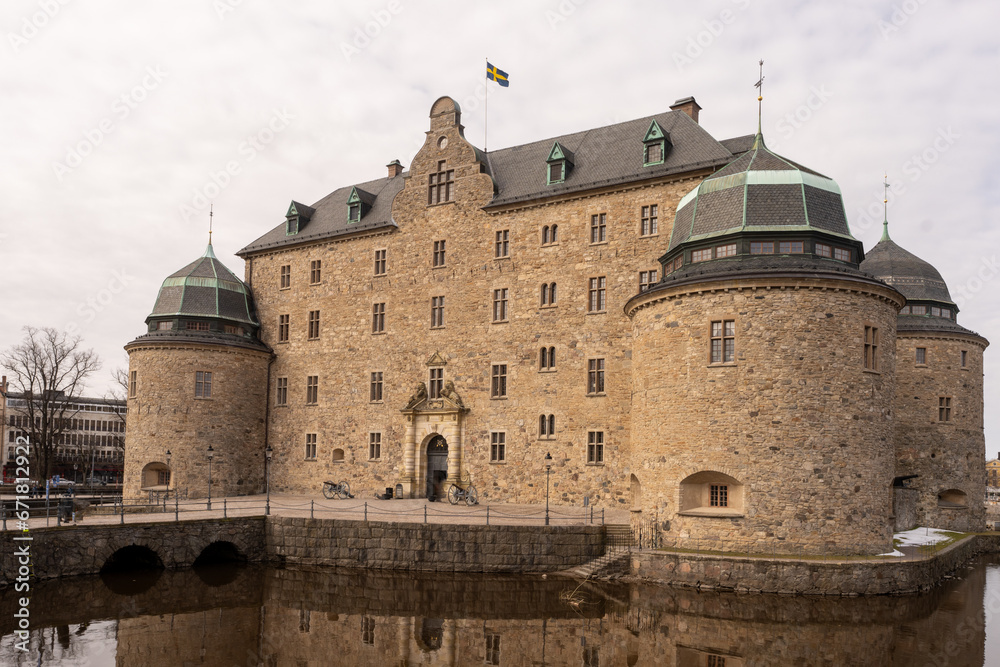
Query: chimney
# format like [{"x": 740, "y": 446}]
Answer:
[
  {"x": 688, "y": 106},
  {"x": 395, "y": 168}
]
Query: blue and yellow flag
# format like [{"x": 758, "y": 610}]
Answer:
[{"x": 498, "y": 75}]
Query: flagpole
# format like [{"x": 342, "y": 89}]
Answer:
[{"x": 486, "y": 113}]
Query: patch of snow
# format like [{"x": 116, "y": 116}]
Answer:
[
  {"x": 894, "y": 552},
  {"x": 920, "y": 537}
]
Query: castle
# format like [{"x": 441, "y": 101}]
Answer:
[{"x": 675, "y": 324}]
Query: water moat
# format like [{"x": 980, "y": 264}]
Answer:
[{"x": 230, "y": 614}]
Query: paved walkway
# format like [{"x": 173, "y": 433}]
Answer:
[{"x": 406, "y": 511}]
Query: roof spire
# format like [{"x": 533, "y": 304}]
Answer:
[
  {"x": 208, "y": 251},
  {"x": 760, "y": 98},
  {"x": 885, "y": 207}
]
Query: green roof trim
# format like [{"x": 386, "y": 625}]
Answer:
[
  {"x": 292, "y": 210},
  {"x": 654, "y": 133},
  {"x": 354, "y": 198},
  {"x": 557, "y": 153}
]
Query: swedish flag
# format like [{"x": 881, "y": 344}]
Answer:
[{"x": 498, "y": 75}]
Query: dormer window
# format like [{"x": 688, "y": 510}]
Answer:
[
  {"x": 655, "y": 145},
  {"x": 296, "y": 217},
  {"x": 358, "y": 203},
  {"x": 559, "y": 162}
]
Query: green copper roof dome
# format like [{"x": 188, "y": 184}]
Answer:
[
  {"x": 204, "y": 288},
  {"x": 763, "y": 192}
]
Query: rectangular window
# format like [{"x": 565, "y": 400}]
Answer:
[
  {"x": 353, "y": 213},
  {"x": 286, "y": 276},
  {"x": 437, "y": 312},
  {"x": 500, "y": 305},
  {"x": 871, "y": 348},
  {"x": 649, "y": 226},
  {"x": 374, "y": 446},
  {"x": 230, "y": 329},
  {"x": 440, "y": 184},
  {"x": 439, "y": 253},
  {"x": 921, "y": 356},
  {"x": 824, "y": 250},
  {"x": 647, "y": 279},
  {"x": 595, "y": 447},
  {"x": 719, "y": 495},
  {"x": 728, "y": 250},
  {"x": 310, "y": 446},
  {"x": 196, "y": 326},
  {"x": 203, "y": 384},
  {"x": 492, "y": 649},
  {"x": 702, "y": 255},
  {"x": 595, "y": 376},
  {"x": 282, "y": 397},
  {"x": 133, "y": 383},
  {"x": 498, "y": 385},
  {"x": 375, "y": 390},
  {"x": 502, "y": 248},
  {"x": 378, "y": 318},
  {"x": 312, "y": 390},
  {"x": 555, "y": 172},
  {"x": 654, "y": 153},
  {"x": 843, "y": 254},
  {"x": 762, "y": 247},
  {"x": 164, "y": 326},
  {"x": 436, "y": 383},
  {"x": 599, "y": 228},
  {"x": 315, "y": 271},
  {"x": 498, "y": 447},
  {"x": 596, "y": 302},
  {"x": 935, "y": 311},
  {"x": 944, "y": 409},
  {"x": 723, "y": 345},
  {"x": 918, "y": 310},
  {"x": 380, "y": 262},
  {"x": 313, "y": 324},
  {"x": 283, "y": 321},
  {"x": 965, "y": 359},
  {"x": 789, "y": 247}
]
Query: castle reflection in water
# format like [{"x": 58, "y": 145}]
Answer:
[{"x": 254, "y": 616}]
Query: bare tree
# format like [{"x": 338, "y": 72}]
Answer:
[
  {"x": 48, "y": 370},
  {"x": 115, "y": 397}
]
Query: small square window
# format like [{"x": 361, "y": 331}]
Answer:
[
  {"x": 719, "y": 495},
  {"x": 824, "y": 250},
  {"x": 789, "y": 247},
  {"x": 728, "y": 250},
  {"x": 702, "y": 255},
  {"x": 843, "y": 254},
  {"x": 647, "y": 279}
]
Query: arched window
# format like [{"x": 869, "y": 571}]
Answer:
[
  {"x": 711, "y": 493},
  {"x": 548, "y": 294},
  {"x": 547, "y": 358},
  {"x": 552, "y": 233},
  {"x": 546, "y": 426},
  {"x": 953, "y": 499},
  {"x": 636, "y": 488},
  {"x": 545, "y": 235}
]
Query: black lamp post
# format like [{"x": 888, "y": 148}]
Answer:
[
  {"x": 267, "y": 478},
  {"x": 548, "y": 469},
  {"x": 211, "y": 453},
  {"x": 169, "y": 472}
]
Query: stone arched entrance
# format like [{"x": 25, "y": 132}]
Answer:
[
  {"x": 437, "y": 467},
  {"x": 155, "y": 477}
]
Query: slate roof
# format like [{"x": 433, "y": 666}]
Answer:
[
  {"x": 931, "y": 324},
  {"x": 738, "y": 145},
  {"x": 912, "y": 276},
  {"x": 204, "y": 288},
  {"x": 330, "y": 216},
  {"x": 760, "y": 191},
  {"x": 603, "y": 156}
]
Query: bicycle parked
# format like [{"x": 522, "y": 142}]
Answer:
[{"x": 336, "y": 490}]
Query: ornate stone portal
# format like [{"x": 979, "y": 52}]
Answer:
[{"x": 426, "y": 419}]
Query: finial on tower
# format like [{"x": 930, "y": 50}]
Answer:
[
  {"x": 885, "y": 207},
  {"x": 760, "y": 94},
  {"x": 210, "y": 214}
]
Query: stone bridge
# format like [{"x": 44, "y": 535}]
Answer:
[{"x": 72, "y": 550}]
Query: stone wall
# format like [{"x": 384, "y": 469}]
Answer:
[
  {"x": 165, "y": 415},
  {"x": 802, "y": 430},
  {"x": 438, "y": 547},
  {"x": 346, "y": 352},
  {"x": 904, "y": 509},
  {"x": 808, "y": 577},
  {"x": 944, "y": 455}
]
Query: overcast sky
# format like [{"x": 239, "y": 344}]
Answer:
[{"x": 119, "y": 119}]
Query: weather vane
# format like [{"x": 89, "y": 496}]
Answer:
[
  {"x": 760, "y": 93},
  {"x": 885, "y": 205},
  {"x": 210, "y": 214}
]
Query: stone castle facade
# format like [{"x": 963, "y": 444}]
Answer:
[{"x": 672, "y": 323}]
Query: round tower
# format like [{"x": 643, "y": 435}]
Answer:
[
  {"x": 197, "y": 380},
  {"x": 764, "y": 371},
  {"x": 938, "y": 411}
]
